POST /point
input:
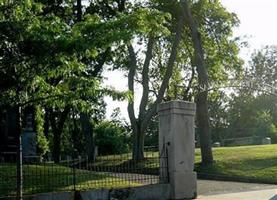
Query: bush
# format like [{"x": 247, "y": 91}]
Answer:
[{"x": 111, "y": 138}]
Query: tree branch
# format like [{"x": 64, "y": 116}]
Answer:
[
  {"x": 185, "y": 94},
  {"x": 131, "y": 75},
  {"x": 145, "y": 77},
  {"x": 170, "y": 66}
]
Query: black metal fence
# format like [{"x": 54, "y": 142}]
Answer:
[{"x": 111, "y": 171}]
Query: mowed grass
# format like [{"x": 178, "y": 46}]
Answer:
[
  {"x": 245, "y": 163},
  {"x": 49, "y": 178},
  {"x": 252, "y": 163}
]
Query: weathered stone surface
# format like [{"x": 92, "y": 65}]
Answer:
[
  {"x": 101, "y": 194},
  {"x": 176, "y": 134},
  {"x": 183, "y": 185},
  {"x": 29, "y": 144}
]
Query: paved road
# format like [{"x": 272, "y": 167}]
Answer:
[
  {"x": 224, "y": 190},
  {"x": 217, "y": 190},
  {"x": 253, "y": 195}
]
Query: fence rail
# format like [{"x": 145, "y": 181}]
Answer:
[{"x": 111, "y": 171}]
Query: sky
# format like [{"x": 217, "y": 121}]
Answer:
[{"x": 258, "y": 22}]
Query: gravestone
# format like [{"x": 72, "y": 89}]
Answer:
[
  {"x": 266, "y": 140},
  {"x": 29, "y": 139},
  {"x": 216, "y": 144}
]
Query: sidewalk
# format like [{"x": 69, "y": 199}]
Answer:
[
  {"x": 254, "y": 195},
  {"x": 224, "y": 190}
]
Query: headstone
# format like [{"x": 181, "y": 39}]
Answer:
[
  {"x": 266, "y": 140},
  {"x": 216, "y": 144},
  {"x": 176, "y": 134},
  {"x": 95, "y": 152},
  {"x": 49, "y": 156},
  {"x": 68, "y": 158},
  {"x": 29, "y": 140},
  {"x": 29, "y": 144}
]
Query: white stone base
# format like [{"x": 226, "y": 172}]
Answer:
[{"x": 183, "y": 185}]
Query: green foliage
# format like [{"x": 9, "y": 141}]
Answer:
[
  {"x": 110, "y": 138},
  {"x": 250, "y": 110},
  {"x": 264, "y": 125},
  {"x": 218, "y": 104},
  {"x": 152, "y": 133},
  {"x": 42, "y": 142},
  {"x": 48, "y": 57}
]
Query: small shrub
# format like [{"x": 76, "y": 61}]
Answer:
[{"x": 111, "y": 138}]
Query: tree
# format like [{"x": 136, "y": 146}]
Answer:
[
  {"x": 252, "y": 108},
  {"x": 44, "y": 57},
  {"x": 213, "y": 54},
  {"x": 139, "y": 124},
  {"x": 202, "y": 96},
  {"x": 111, "y": 138},
  {"x": 150, "y": 60},
  {"x": 218, "y": 105}
]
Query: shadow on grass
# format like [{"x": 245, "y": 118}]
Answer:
[
  {"x": 148, "y": 166},
  {"x": 49, "y": 178},
  {"x": 246, "y": 170}
]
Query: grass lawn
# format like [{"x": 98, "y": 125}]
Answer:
[
  {"x": 46, "y": 178},
  {"x": 253, "y": 163},
  {"x": 247, "y": 163}
]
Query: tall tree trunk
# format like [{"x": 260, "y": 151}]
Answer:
[
  {"x": 56, "y": 146},
  {"x": 204, "y": 128},
  {"x": 79, "y": 10},
  {"x": 86, "y": 125},
  {"x": 87, "y": 129},
  {"x": 201, "y": 99},
  {"x": 57, "y": 123},
  {"x": 19, "y": 158},
  {"x": 138, "y": 144}
]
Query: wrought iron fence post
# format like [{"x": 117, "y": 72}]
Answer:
[
  {"x": 74, "y": 170},
  {"x": 19, "y": 171},
  {"x": 74, "y": 176}
]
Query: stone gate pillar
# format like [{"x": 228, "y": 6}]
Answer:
[{"x": 176, "y": 133}]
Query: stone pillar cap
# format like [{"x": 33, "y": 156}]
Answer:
[{"x": 180, "y": 105}]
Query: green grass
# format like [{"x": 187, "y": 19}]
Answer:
[
  {"x": 246, "y": 163},
  {"x": 254, "y": 163},
  {"x": 124, "y": 161},
  {"x": 46, "y": 178}
]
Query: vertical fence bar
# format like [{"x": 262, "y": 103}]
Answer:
[
  {"x": 19, "y": 174},
  {"x": 74, "y": 175}
]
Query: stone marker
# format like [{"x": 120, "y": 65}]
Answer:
[
  {"x": 216, "y": 144},
  {"x": 29, "y": 140},
  {"x": 176, "y": 134},
  {"x": 266, "y": 140}
]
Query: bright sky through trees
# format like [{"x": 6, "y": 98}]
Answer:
[{"x": 258, "y": 22}]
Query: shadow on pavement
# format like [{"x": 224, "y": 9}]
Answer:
[{"x": 273, "y": 198}]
